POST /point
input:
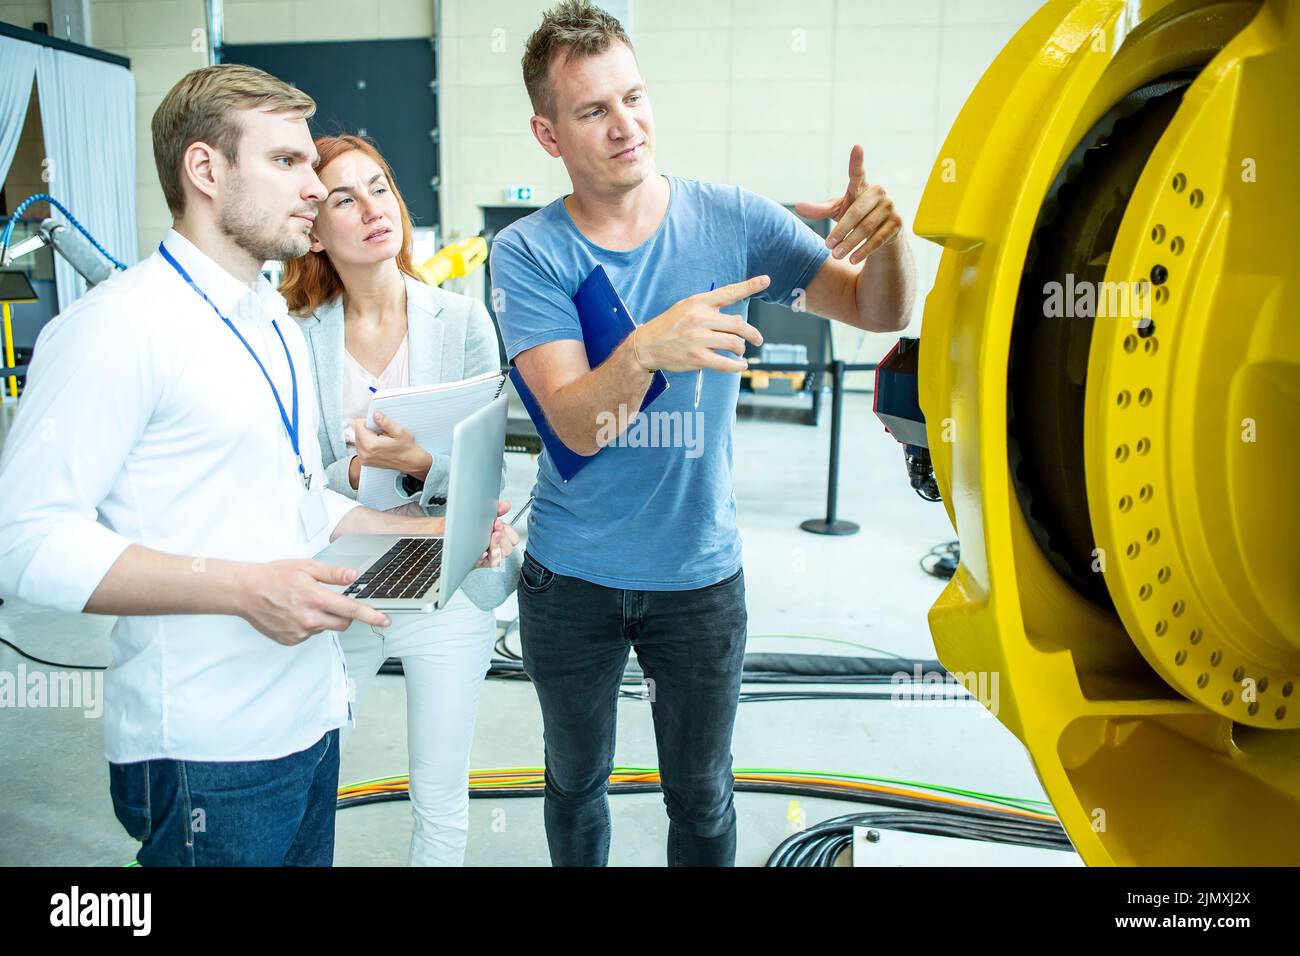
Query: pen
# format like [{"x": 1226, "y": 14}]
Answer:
[
  {"x": 699, "y": 378},
  {"x": 520, "y": 513},
  {"x": 515, "y": 520}
]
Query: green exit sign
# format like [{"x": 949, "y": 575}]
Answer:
[{"x": 519, "y": 194}]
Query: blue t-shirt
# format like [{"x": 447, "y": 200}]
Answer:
[{"x": 655, "y": 510}]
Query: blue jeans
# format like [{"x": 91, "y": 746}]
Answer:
[
  {"x": 691, "y": 646},
  {"x": 231, "y": 813}
]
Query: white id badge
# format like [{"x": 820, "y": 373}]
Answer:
[{"x": 312, "y": 513}]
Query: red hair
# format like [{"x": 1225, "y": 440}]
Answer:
[{"x": 311, "y": 280}]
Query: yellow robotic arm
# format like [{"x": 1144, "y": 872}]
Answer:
[
  {"x": 454, "y": 260},
  {"x": 1110, "y": 376}
]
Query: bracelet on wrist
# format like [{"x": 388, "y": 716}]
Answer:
[{"x": 637, "y": 355}]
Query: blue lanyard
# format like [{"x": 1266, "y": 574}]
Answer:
[{"x": 291, "y": 427}]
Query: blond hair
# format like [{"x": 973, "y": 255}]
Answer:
[
  {"x": 574, "y": 29},
  {"x": 200, "y": 108}
]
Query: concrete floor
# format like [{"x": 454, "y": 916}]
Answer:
[{"x": 867, "y": 589}]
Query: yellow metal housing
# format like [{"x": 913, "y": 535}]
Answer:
[{"x": 1165, "y": 730}]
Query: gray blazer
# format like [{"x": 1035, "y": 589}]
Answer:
[{"x": 449, "y": 337}]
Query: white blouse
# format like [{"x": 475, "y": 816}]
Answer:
[{"x": 359, "y": 386}]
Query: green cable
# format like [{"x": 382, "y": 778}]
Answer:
[
  {"x": 1005, "y": 799},
  {"x": 1014, "y": 802},
  {"x": 1019, "y": 803}
]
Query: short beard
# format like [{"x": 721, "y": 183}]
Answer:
[{"x": 248, "y": 228}]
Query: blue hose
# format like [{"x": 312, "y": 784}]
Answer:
[{"x": 46, "y": 197}]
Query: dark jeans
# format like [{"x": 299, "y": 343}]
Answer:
[
  {"x": 691, "y": 645},
  {"x": 231, "y": 813}
]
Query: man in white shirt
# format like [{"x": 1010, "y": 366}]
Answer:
[{"x": 155, "y": 472}]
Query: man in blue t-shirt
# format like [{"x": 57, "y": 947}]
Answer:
[{"x": 640, "y": 548}]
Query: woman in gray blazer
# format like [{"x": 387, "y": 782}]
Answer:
[{"x": 371, "y": 323}]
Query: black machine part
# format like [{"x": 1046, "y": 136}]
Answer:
[
  {"x": 1046, "y": 387},
  {"x": 897, "y": 406},
  {"x": 920, "y": 472}
]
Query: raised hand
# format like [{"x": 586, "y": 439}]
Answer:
[{"x": 865, "y": 217}]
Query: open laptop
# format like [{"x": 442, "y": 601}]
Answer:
[{"x": 421, "y": 573}]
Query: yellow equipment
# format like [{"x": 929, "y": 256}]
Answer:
[
  {"x": 1126, "y": 565},
  {"x": 454, "y": 260},
  {"x": 15, "y": 287}
]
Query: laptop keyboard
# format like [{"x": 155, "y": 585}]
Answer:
[{"x": 407, "y": 570}]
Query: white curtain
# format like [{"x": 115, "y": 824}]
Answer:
[
  {"x": 19, "y": 60},
  {"x": 88, "y": 112}
]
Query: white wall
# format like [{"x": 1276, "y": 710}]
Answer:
[
  {"x": 23, "y": 13},
  {"x": 768, "y": 94},
  {"x": 158, "y": 37}
]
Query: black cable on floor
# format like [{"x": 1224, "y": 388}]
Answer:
[
  {"x": 821, "y": 844},
  {"x": 943, "y": 558},
  {"x": 54, "y": 664}
]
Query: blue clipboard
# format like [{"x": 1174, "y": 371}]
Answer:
[{"x": 606, "y": 322}]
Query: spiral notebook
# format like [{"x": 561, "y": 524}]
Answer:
[
  {"x": 606, "y": 322},
  {"x": 430, "y": 413}
]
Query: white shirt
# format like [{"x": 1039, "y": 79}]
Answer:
[
  {"x": 143, "y": 406},
  {"x": 359, "y": 387}
]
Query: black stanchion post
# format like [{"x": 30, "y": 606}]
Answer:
[{"x": 831, "y": 524}]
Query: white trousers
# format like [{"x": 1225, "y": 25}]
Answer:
[{"x": 444, "y": 656}]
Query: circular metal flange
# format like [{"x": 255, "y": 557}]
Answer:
[{"x": 1190, "y": 507}]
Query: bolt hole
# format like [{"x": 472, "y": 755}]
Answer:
[
  {"x": 1215, "y": 658},
  {"x": 1121, "y": 453},
  {"x": 1122, "y": 399},
  {"x": 1178, "y": 609},
  {"x": 1179, "y": 183},
  {"x": 1202, "y": 680},
  {"x": 1180, "y": 658},
  {"x": 1125, "y": 503},
  {"x": 1132, "y": 550},
  {"x": 1163, "y": 575},
  {"x": 1144, "y": 397},
  {"x": 1226, "y": 698},
  {"x": 1196, "y": 197},
  {"x": 1238, "y": 673},
  {"x": 1263, "y": 684},
  {"x": 1144, "y": 591},
  {"x": 1162, "y": 294},
  {"x": 1150, "y": 346},
  {"x": 1279, "y": 713},
  {"x": 1130, "y": 343},
  {"x": 1286, "y": 689},
  {"x": 1158, "y": 234},
  {"x": 1143, "y": 446},
  {"x": 1195, "y": 636},
  {"x": 1253, "y": 709},
  {"x": 1161, "y": 627},
  {"x": 1176, "y": 245}
]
